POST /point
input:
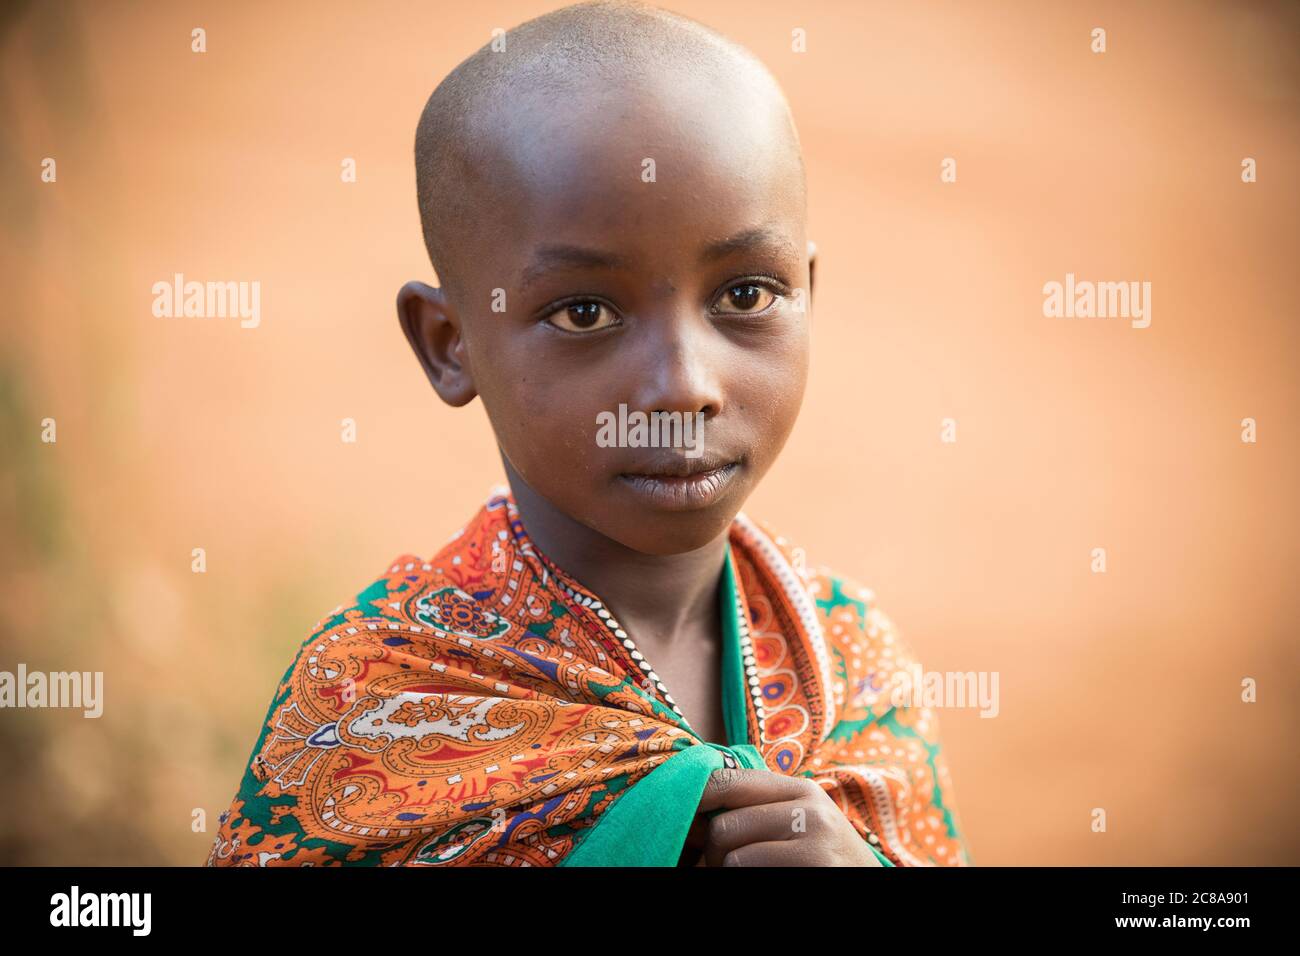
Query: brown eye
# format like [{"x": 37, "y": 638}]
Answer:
[
  {"x": 582, "y": 317},
  {"x": 749, "y": 297}
]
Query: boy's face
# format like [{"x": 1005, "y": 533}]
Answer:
[{"x": 651, "y": 251}]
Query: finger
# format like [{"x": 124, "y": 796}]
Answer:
[
  {"x": 733, "y": 787},
  {"x": 736, "y": 828},
  {"x": 771, "y": 853}
]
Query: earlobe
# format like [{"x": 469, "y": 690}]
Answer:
[{"x": 433, "y": 330}]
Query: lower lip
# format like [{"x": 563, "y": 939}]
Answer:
[{"x": 686, "y": 492}]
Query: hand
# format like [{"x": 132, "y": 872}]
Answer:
[{"x": 768, "y": 819}]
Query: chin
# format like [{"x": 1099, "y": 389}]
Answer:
[{"x": 672, "y": 532}]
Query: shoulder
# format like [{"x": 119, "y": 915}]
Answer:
[
  {"x": 872, "y": 655},
  {"x": 363, "y": 621},
  {"x": 378, "y": 600},
  {"x": 868, "y": 652}
]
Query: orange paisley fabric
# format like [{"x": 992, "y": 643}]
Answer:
[{"x": 481, "y": 707}]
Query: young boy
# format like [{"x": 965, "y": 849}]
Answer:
[{"x": 613, "y": 198}]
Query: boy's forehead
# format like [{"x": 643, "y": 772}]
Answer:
[{"x": 661, "y": 163}]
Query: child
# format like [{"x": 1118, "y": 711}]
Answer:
[{"x": 613, "y": 198}]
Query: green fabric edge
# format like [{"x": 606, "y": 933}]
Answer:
[
  {"x": 734, "y": 713},
  {"x": 648, "y": 823},
  {"x": 669, "y": 794}
]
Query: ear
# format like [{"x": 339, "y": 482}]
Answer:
[
  {"x": 812, "y": 262},
  {"x": 433, "y": 329}
]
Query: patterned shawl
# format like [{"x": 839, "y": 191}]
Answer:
[{"x": 483, "y": 707}]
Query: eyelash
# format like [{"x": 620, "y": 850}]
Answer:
[{"x": 774, "y": 284}]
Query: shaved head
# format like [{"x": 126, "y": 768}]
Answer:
[
  {"x": 476, "y": 117},
  {"x": 615, "y": 201}
]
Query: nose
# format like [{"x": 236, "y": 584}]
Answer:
[{"x": 682, "y": 366}]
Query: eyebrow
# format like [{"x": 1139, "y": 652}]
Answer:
[
  {"x": 757, "y": 236},
  {"x": 556, "y": 256},
  {"x": 564, "y": 256}
]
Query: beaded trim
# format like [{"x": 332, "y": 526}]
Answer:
[
  {"x": 747, "y": 658},
  {"x": 767, "y": 554},
  {"x": 748, "y": 661}
]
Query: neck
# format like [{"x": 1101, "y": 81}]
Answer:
[{"x": 655, "y": 597}]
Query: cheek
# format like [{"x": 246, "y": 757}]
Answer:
[
  {"x": 772, "y": 390},
  {"x": 542, "y": 421},
  {"x": 794, "y": 366}
]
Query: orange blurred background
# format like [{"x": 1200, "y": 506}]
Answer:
[{"x": 1119, "y": 691}]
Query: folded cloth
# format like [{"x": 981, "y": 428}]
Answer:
[{"x": 482, "y": 707}]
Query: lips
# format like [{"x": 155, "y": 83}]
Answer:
[
  {"x": 681, "y": 484},
  {"x": 678, "y": 466}
]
